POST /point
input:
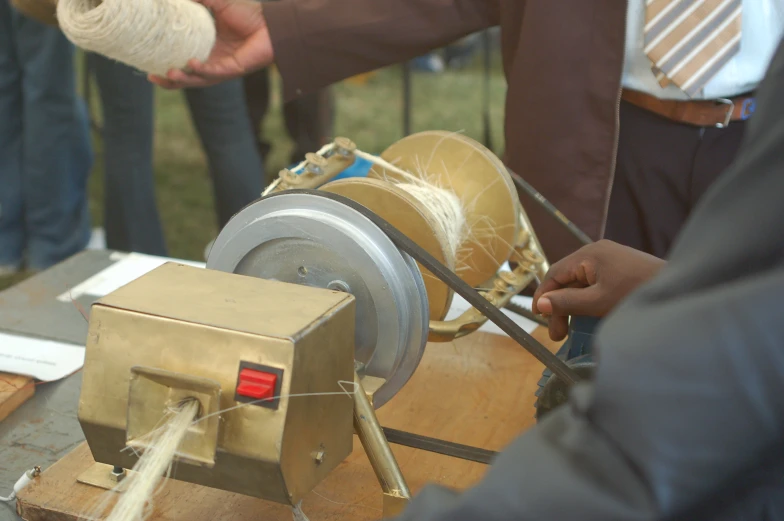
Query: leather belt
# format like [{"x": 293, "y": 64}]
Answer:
[{"x": 709, "y": 113}]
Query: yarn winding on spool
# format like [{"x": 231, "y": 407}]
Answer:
[
  {"x": 153, "y": 36},
  {"x": 444, "y": 207}
]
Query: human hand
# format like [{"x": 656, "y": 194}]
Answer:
[
  {"x": 591, "y": 282},
  {"x": 242, "y": 45}
]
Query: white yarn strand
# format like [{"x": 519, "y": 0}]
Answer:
[
  {"x": 444, "y": 205},
  {"x": 149, "y": 471},
  {"x": 446, "y": 210},
  {"x": 157, "y": 461},
  {"x": 153, "y": 36}
]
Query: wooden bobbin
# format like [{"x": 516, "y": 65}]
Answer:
[
  {"x": 481, "y": 181},
  {"x": 408, "y": 215}
]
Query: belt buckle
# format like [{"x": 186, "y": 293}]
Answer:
[{"x": 728, "y": 117}]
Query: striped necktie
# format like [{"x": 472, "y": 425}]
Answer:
[{"x": 689, "y": 41}]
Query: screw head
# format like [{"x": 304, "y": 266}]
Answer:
[
  {"x": 339, "y": 285},
  {"x": 319, "y": 457},
  {"x": 344, "y": 146}
]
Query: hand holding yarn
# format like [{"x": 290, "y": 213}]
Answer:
[{"x": 242, "y": 45}]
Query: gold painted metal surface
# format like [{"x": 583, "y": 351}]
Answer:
[
  {"x": 498, "y": 291},
  {"x": 371, "y": 435},
  {"x": 482, "y": 183},
  {"x": 406, "y": 214},
  {"x": 204, "y": 323},
  {"x": 153, "y": 391},
  {"x": 318, "y": 170},
  {"x": 393, "y": 505}
]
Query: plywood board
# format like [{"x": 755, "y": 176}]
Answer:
[
  {"x": 14, "y": 391},
  {"x": 477, "y": 391}
]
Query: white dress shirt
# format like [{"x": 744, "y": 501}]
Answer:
[{"x": 762, "y": 28}]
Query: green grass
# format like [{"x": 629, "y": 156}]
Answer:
[{"x": 370, "y": 115}]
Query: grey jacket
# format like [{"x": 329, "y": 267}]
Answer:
[{"x": 685, "y": 419}]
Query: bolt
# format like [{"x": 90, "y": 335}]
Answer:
[
  {"x": 118, "y": 474},
  {"x": 315, "y": 164},
  {"x": 344, "y": 146},
  {"x": 339, "y": 285},
  {"x": 533, "y": 257},
  {"x": 500, "y": 285},
  {"x": 287, "y": 176},
  {"x": 319, "y": 457},
  {"x": 509, "y": 277}
]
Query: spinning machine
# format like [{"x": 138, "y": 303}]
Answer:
[{"x": 315, "y": 309}]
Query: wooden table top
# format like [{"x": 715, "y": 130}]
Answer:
[{"x": 478, "y": 390}]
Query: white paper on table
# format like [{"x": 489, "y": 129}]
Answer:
[
  {"x": 45, "y": 360},
  {"x": 129, "y": 267},
  {"x": 460, "y": 305}
]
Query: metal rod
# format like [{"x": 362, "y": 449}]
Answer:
[
  {"x": 406, "y": 98},
  {"x": 526, "y": 313},
  {"x": 371, "y": 435},
  {"x": 550, "y": 208},
  {"x": 446, "y": 448},
  {"x": 487, "y": 55}
]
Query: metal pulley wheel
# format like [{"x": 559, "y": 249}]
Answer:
[{"x": 314, "y": 241}]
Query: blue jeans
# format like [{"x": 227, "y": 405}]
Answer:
[
  {"x": 579, "y": 343},
  {"x": 131, "y": 218},
  {"x": 581, "y": 335},
  {"x": 45, "y": 149}
]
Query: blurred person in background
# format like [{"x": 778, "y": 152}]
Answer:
[
  {"x": 309, "y": 120},
  {"x": 45, "y": 149},
  {"x": 131, "y": 218}
]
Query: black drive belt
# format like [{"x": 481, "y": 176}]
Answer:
[{"x": 507, "y": 325}]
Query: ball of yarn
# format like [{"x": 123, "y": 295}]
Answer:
[{"x": 153, "y": 36}]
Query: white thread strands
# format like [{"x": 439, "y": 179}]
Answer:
[
  {"x": 446, "y": 211},
  {"x": 136, "y": 492},
  {"x": 134, "y": 502},
  {"x": 445, "y": 207},
  {"x": 153, "y": 36}
]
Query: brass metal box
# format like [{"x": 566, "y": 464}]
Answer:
[{"x": 181, "y": 332}]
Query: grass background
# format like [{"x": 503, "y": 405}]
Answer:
[{"x": 370, "y": 113}]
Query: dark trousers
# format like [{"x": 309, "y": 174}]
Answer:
[
  {"x": 131, "y": 217},
  {"x": 309, "y": 120},
  {"x": 663, "y": 169}
]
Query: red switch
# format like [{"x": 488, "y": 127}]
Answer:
[{"x": 257, "y": 384}]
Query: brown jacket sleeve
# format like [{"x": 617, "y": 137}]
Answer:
[{"x": 320, "y": 42}]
